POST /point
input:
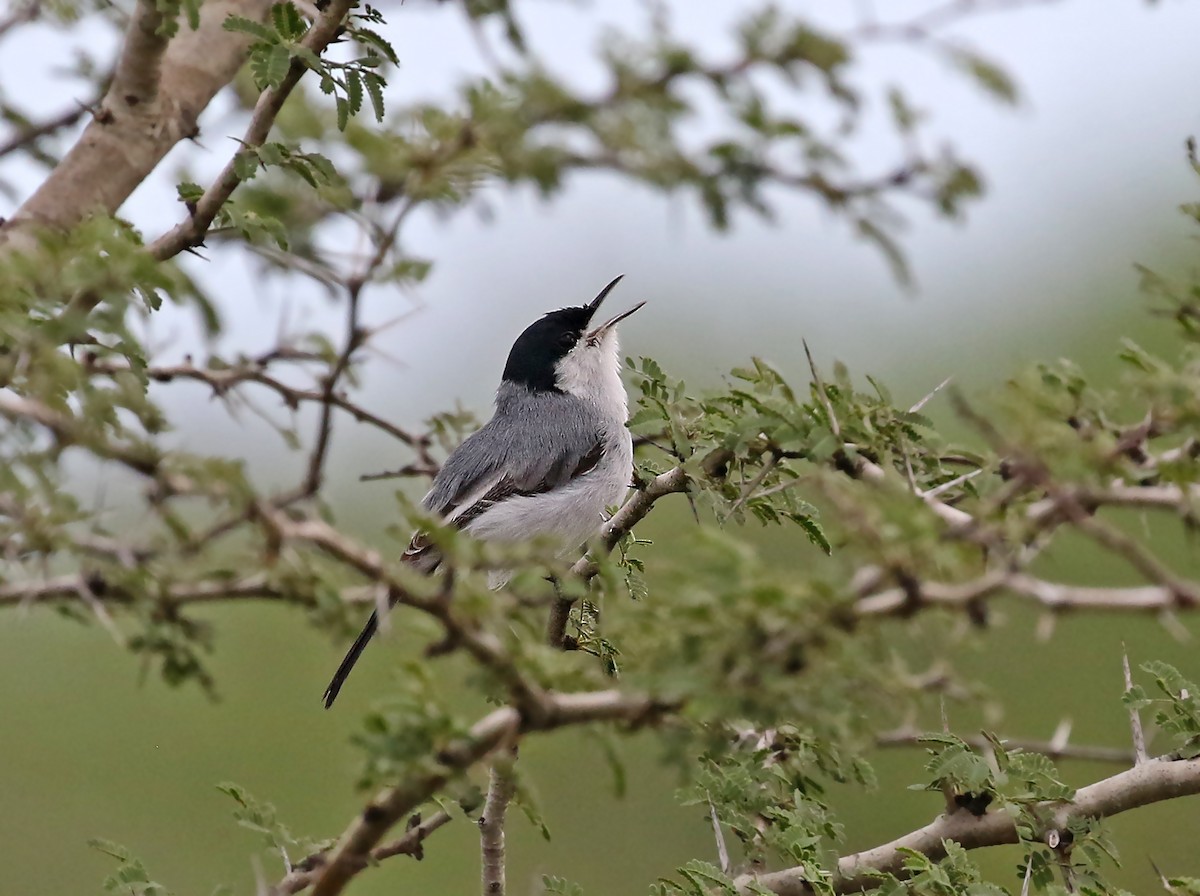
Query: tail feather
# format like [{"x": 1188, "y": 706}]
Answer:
[
  {"x": 352, "y": 655},
  {"x": 421, "y": 555}
]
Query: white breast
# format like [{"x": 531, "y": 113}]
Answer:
[{"x": 574, "y": 512}]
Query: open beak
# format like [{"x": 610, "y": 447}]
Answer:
[
  {"x": 594, "y": 305},
  {"x": 612, "y": 322}
]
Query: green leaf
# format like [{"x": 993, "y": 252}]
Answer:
[
  {"x": 558, "y": 886},
  {"x": 354, "y": 90},
  {"x": 374, "y": 84},
  {"x": 191, "y": 12},
  {"x": 251, "y": 27},
  {"x": 245, "y": 164},
  {"x": 131, "y": 877},
  {"x": 376, "y": 41},
  {"x": 987, "y": 74},
  {"x": 814, "y": 532},
  {"x": 189, "y": 192},
  {"x": 269, "y": 65},
  {"x": 287, "y": 21}
]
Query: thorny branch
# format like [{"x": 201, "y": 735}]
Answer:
[
  {"x": 1052, "y": 749},
  {"x": 27, "y": 135},
  {"x": 224, "y": 380},
  {"x": 1150, "y": 782},
  {"x": 191, "y": 231},
  {"x": 155, "y": 99},
  {"x": 138, "y": 81},
  {"x": 502, "y": 728}
]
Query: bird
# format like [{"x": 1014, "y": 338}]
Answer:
[{"x": 554, "y": 456}]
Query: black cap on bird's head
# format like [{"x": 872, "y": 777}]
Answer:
[{"x": 547, "y": 340}]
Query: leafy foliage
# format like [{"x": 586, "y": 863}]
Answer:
[
  {"x": 131, "y": 875},
  {"x": 767, "y": 686},
  {"x": 1176, "y": 707},
  {"x": 260, "y": 817}
]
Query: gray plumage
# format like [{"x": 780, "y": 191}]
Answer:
[
  {"x": 555, "y": 454},
  {"x": 536, "y": 440},
  {"x": 536, "y": 445}
]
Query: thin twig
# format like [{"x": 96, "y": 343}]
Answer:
[{"x": 501, "y": 788}]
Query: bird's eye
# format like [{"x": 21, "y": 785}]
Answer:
[{"x": 566, "y": 340}]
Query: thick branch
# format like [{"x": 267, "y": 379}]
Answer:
[
  {"x": 191, "y": 231},
  {"x": 155, "y": 101},
  {"x": 1151, "y": 782},
  {"x": 136, "y": 79}
]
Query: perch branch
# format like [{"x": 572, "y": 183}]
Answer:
[
  {"x": 500, "y": 728},
  {"x": 1151, "y": 782}
]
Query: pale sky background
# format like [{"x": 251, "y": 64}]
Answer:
[{"x": 1083, "y": 178}]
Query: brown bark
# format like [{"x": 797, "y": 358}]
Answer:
[{"x": 159, "y": 90}]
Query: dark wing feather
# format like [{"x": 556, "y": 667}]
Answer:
[
  {"x": 508, "y": 487},
  {"x": 535, "y": 443}
]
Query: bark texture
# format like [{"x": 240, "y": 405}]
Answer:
[{"x": 158, "y": 91}]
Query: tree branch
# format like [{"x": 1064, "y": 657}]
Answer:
[
  {"x": 31, "y": 133},
  {"x": 223, "y": 379},
  {"x": 191, "y": 231},
  {"x": 411, "y": 843},
  {"x": 1053, "y": 749},
  {"x": 1150, "y": 782},
  {"x": 1053, "y": 596},
  {"x": 136, "y": 78},
  {"x": 630, "y": 514},
  {"x": 499, "y": 728},
  {"x": 126, "y": 140}
]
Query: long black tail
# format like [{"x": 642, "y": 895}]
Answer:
[{"x": 352, "y": 655}]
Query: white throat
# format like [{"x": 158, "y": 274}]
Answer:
[{"x": 592, "y": 372}]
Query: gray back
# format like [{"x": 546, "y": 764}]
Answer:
[{"x": 536, "y": 440}]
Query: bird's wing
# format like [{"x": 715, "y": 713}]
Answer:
[
  {"x": 538, "y": 443},
  {"x": 541, "y": 443}
]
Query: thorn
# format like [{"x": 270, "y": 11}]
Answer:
[
  {"x": 824, "y": 399},
  {"x": 722, "y": 850},
  {"x": 1170, "y": 621},
  {"x": 1135, "y": 721},
  {"x": 1045, "y": 627},
  {"x": 1028, "y": 874},
  {"x": 936, "y": 389},
  {"x": 1062, "y": 734},
  {"x": 1166, "y": 883}
]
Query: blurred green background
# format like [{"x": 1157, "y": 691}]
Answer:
[{"x": 1083, "y": 181}]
